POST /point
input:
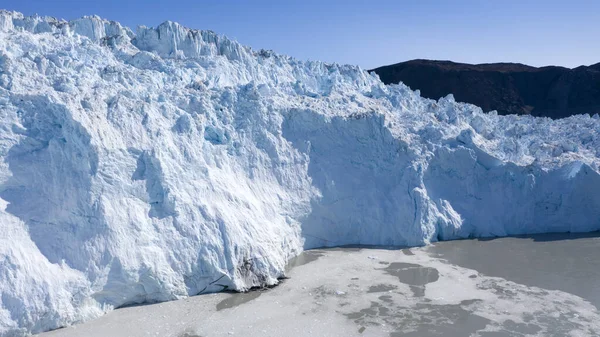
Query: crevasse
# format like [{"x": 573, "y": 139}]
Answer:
[{"x": 173, "y": 162}]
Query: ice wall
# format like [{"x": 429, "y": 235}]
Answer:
[{"x": 172, "y": 162}]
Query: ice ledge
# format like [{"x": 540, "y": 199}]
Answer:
[
  {"x": 93, "y": 27},
  {"x": 169, "y": 39}
]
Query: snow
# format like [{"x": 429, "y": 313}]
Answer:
[{"x": 153, "y": 166}]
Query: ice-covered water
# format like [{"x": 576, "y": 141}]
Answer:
[
  {"x": 566, "y": 262},
  {"x": 373, "y": 292},
  {"x": 151, "y": 166}
]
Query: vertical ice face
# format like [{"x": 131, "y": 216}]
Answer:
[
  {"x": 92, "y": 27},
  {"x": 170, "y": 39},
  {"x": 96, "y": 28},
  {"x": 177, "y": 162},
  {"x": 6, "y": 20}
]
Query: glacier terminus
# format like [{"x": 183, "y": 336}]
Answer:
[{"x": 170, "y": 162}]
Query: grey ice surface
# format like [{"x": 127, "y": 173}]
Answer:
[
  {"x": 506, "y": 287},
  {"x": 567, "y": 262}
]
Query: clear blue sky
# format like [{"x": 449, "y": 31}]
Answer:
[{"x": 372, "y": 33}]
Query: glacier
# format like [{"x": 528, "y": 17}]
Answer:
[{"x": 150, "y": 166}]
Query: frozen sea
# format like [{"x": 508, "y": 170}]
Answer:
[
  {"x": 542, "y": 285},
  {"x": 566, "y": 262}
]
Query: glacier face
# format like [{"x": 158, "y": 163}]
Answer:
[{"x": 150, "y": 166}]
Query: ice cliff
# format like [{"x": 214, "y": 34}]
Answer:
[{"x": 150, "y": 166}]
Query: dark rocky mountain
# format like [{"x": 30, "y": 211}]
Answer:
[{"x": 509, "y": 88}]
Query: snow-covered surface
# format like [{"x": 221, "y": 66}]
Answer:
[
  {"x": 359, "y": 293},
  {"x": 150, "y": 166}
]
